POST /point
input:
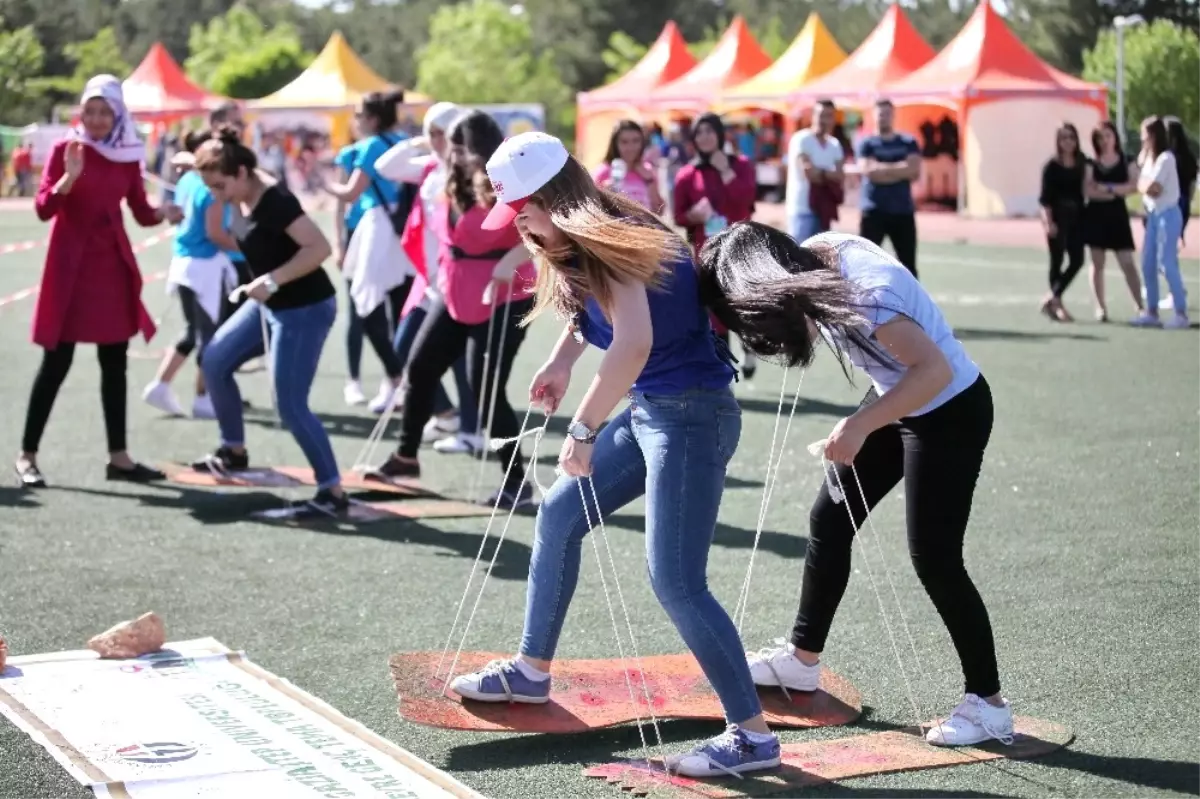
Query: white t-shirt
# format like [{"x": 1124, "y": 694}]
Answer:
[
  {"x": 888, "y": 290},
  {"x": 825, "y": 155},
  {"x": 1163, "y": 172}
]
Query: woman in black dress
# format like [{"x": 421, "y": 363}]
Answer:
[
  {"x": 1062, "y": 216},
  {"x": 1106, "y": 225}
]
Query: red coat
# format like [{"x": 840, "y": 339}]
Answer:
[{"x": 91, "y": 287}]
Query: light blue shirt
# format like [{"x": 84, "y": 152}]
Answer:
[
  {"x": 191, "y": 237},
  {"x": 346, "y": 159},
  {"x": 369, "y": 150},
  {"x": 887, "y": 290}
]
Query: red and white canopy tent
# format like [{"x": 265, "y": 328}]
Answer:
[{"x": 159, "y": 91}]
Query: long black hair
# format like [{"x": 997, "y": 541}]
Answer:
[
  {"x": 717, "y": 124},
  {"x": 473, "y": 139},
  {"x": 765, "y": 287},
  {"x": 1185, "y": 159}
]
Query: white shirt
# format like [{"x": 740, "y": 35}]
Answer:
[
  {"x": 1162, "y": 171},
  {"x": 406, "y": 162},
  {"x": 825, "y": 155},
  {"x": 887, "y": 290}
]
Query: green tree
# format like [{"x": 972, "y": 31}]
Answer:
[
  {"x": 234, "y": 34},
  {"x": 99, "y": 55},
  {"x": 621, "y": 55},
  {"x": 261, "y": 71},
  {"x": 481, "y": 52},
  {"x": 1162, "y": 71},
  {"x": 21, "y": 57}
]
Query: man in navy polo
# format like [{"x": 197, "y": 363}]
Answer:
[{"x": 890, "y": 162}]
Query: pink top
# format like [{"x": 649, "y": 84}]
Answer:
[
  {"x": 466, "y": 259},
  {"x": 632, "y": 186}
]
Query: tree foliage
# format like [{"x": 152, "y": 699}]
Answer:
[
  {"x": 21, "y": 57},
  {"x": 621, "y": 55},
  {"x": 232, "y": 37},
  {"x": 261, "y": 71},
  {"x": 97, "y": 56},
  {"x": 1162, "y": 71}
]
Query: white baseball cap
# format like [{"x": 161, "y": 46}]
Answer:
[{"x": 519, "y": 167}]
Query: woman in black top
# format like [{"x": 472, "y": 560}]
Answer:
[
  {"x": 1106, "y": 218},
  {"x": 293, "y": 298},
  {"x": 1062, "y": 216}
]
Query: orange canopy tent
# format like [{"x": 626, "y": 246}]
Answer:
[
  {"x": 158, "y": 89},
  {"x": 600, "y": 109},
  {"x": 736, "y": 58},
  {"x": 1008, "y": 103},
  {"x": 890, "y": 52},
  {"x": 811, "y": 54}
]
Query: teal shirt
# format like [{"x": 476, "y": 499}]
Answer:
[
  {"x": 191, "y": 237},
  {"x": 369, "y": 150},
  {"x": 346, "y": 160}
]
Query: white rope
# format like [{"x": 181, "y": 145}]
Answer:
[
  {"x": 483, "y": 541},
  {"x": 494, "y": 383},
  {"x": 367, "y": 452},
  {"x": 772, "y": 477},
  {"x": 603, "y": 533}
]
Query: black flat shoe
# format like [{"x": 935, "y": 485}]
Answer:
[
  {"x": 138, "y": 474},
  {"x": 29, "y": 476}
]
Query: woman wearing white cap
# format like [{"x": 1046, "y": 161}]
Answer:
[
  {"x": 629, "y": 285},
  {"x": 91, "y": 286}
]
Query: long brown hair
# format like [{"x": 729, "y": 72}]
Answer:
[
  {"x": 1076, "y": 154},
  {"x": 473, "y": 138},
  {"x": 1097, "y": 138},
  {"x": 1156, "y": 129},
  {"x": 225, "y": 153},
  {"x": 609, "y": 238}
]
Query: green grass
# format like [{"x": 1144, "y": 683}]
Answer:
[{"x": 1083, "y": 542}]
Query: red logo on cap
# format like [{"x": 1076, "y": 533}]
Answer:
[{"x": 498, "y": 186}]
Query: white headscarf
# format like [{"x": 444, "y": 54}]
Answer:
[
  {"x": 442, "y": 116},
  {"x": 122, "y": 143}
]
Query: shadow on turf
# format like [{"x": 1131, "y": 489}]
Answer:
[
  {"x": 786, "y": 545},
  {"x": 18, "y": 497},
  {"x": 216, "y": 508},
  {"x": 1165, "y": 775},
  {"x": 804, "y": 406},
  {"x": 981, "y": 334}
]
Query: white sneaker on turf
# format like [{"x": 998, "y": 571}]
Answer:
[
  {"x": 202, "y": 407},
  {"x": 386, "y": 395},
  {"x": 159, "y": 395},
  {"x": 776, "y": 666},
  {"x": 973, "y": 721},
  {"x": 438, "y": 428},
  {"x": 1178, "y": 322},
  {"x": 353, "y": 393},
  {"x": 459, "y": 444}
]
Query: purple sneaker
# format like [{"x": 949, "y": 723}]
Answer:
[
  {"x": 503, "y": 681},
  {"x": 729, "y": 754}
]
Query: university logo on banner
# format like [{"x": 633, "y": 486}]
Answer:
[{"x": 158, "y": 752}]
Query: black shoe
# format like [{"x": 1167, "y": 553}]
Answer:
[
  {"x": 510, "y": 499},
  {"x": 395, "y": 469},
  {"x": 325, "y": 505},
  {"x": 29, "y": 475},
  {"x": 138, "y": 473},
  {"x": 222, "y": 461}
]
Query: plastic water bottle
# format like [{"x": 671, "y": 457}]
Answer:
[
  {"x": 715, "y": 224},
  {"x": 619, "y": 170}
]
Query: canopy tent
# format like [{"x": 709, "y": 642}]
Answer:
[
  {"x": 890, "y": 52},
  {"x": 158, "y": 90},
  {"x": 736, "y": 58},
  {"x": 811, "y": 54},
  {"x": 1008, "y": 102},
  {"x": 598, "y": 110},
  {"x": 334, "y": 84}
]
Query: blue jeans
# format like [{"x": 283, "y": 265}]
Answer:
[
  {"x": 804, "y": 225},
  {"x": 297, "y": 336},
  {"x": 1160, "y": 251},
  {"x": 674, "y": 449},
  {"x": 406, "y": 334}
]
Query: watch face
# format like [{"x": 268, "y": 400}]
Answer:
[{"x": 580, "y": 432}]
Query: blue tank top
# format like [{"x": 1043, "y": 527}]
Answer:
[
  {"x": 191, "y": 237},
  {"x": 685, "y": 354}
]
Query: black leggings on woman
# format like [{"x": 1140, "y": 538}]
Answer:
[
  {"x": 55, "y": 365},
  {"x": 440, "y": 342},
  {"x": 380, "y": 326},
  {"x": 1067, "y": 242},
  {"x": 938, "y": 455}
]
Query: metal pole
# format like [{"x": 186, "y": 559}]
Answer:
[{"x": 1120, "y": 80}]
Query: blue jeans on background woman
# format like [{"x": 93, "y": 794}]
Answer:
[
  {"x": 674, "y": 449},
  {"x": 1160, "y": 251},
  {"x": 468, "y": 413},
  {"x": 297, "y": 338}
]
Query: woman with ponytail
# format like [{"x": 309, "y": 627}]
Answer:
[
  {"x": 926, "y": 420},
  {"x": 285, "y": 251}
]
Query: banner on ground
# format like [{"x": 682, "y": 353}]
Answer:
[{"x": 197, "y": 720}]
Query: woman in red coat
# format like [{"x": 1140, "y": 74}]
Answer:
[
  {"x": 91, "y": 287},
  {"x": 712, "y": 192}
]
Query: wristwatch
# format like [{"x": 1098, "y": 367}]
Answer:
[
  {"x": 270, "y": 283},
  {"x": 581, "y": 433}
]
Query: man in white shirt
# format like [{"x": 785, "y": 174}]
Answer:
[{"x": 814, "y": 157}]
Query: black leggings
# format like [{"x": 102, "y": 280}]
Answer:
[
  {"x": 1067, "y": 242},
  {"x": 198, "y": 327},
  {"x": 900, "y": 228},
  {"x": 440, "y": 342},
  {"x": 55, "y": 365},
  {"x": 939, "y": 455},
  {"x": 380, "y": 327}
]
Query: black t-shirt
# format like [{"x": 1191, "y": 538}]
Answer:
[
  {"x": 1062, "y": 186},
  {"x": 264, "y": 241}
]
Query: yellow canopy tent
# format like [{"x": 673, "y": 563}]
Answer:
[
  {"x": 333, "y": 84},
  {"x": 811, "y": 54}
]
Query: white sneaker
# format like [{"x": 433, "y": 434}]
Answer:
[
  {"x": 353, "y": 393},
  {"x": 459, "y": 444},
  {"x": 438, "y": 428},
  {"x": 1167, "y": 303},
  {"x": 973, "y": 721},
  {"x": 202, "y": 407},
  {"x": 1178, "y": 322},
  {"x": 1146, "y": 320},
  {"x": 159, "y": 395},
  {"x": 385, "y": 397},
  {"x": 777, "y": 666}
]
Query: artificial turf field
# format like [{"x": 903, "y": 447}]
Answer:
[{"x": 1083, "y": 542}]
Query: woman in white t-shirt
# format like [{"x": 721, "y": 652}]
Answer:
[
  {"x": 1159, "y": 185},
  {"x": 926, "y": 420}
]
